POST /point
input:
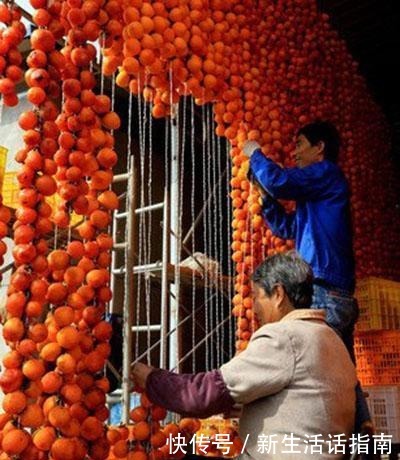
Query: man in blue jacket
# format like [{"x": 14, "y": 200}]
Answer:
[{"x": 320, "y": 226}]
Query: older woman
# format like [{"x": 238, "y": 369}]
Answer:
[{"x": 295, "y": 380}]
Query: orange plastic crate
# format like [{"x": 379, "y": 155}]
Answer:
[
  {"x": 384, "y": 405},
  {"x": 378, "y": 357},
  {"x": 216, "y": 424},
  {"x": 379, "y": 304}
]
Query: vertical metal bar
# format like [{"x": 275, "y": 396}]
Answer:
[
  {"x": 114, "y": 256},
  {"x": 203, "y": 209},
  {"x": 164, "y": 282},
  {"x": 174, "y": 248},
  {"x": 129, "y": 294}
]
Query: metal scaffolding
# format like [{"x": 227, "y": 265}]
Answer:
[{"x": 168, "y": 269}]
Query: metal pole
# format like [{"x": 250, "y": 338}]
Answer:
[
  {"x": 129, "y": 294},
  {"x": 174, "y": 247},
  {"x": 203, "y": 209},
  {"x": 114, "y": 260},
  {"x": 164, "y": 283},
  {"x": 190, "y": 352},
  {"x": 189, "y": 253},
  {"x": 181, "y": 323},
  {"x": 150, "y": 208}
]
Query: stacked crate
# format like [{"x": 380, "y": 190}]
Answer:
[
  {"x": 10, "y": 189},
  {"x": 377, "y": 350},
  {"x": 10, "y": 193},
  {"x": 3, "y": 162}
]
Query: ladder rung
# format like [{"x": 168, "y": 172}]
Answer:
[
  {"x": 157, "y": 266},
  {"x": 119, "y": 245},
  {"x": 120, "y": 177},
  {"x": 113, "y": 398},
  {"x": 120, "y": 215},
  {"x": 145, "y": 328},
  {"x": 117, "y": 392},
  {"x": 150, "y": 208},
  {"x": 147, "y": 268}
]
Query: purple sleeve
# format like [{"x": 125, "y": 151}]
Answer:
[{"x": 193, "y": 395}]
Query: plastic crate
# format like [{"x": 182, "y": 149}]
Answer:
[
  {"x": 378, "y": 357},
  {"x": 3, "y": 162},
  {"x": 384, "y": 405},
  {"x": 379, "y": 304},
  {"x": 10, "y": 190},
  {"x": 209, "y": 428},
  {"x": 55, "y": 200}
]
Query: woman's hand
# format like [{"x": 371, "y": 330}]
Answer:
[{"x": 139, "y": 374}]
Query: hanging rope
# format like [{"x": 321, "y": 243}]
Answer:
[
  {"x": 192, "y": 214},
  {"x": 181, "y": 194},
  {"x": 147, "y": 217},
  {"x": 141, "y": 204},
  {"x": 229, "y": 238},
  {"x": 100, "y": 62},
  {"x": 220, "y": 282},
  {"x": 205, "y": 239},
  {"x": 211, "y": 310},
  {"x": 215, "y": 225}
]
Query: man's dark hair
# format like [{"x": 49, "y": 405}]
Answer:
[
  {"x": 291, "y": 272},
  {"x": 326, "y": 132}
]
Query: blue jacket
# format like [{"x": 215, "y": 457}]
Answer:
[{"x": 321, "y": 224}]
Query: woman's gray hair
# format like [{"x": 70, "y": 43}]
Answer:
[{"x": 291, "y": 272}]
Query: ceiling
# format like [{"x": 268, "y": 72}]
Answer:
[{"x": 371, "y": 29}]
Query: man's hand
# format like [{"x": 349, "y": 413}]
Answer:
[
  {"x": 249, "y": 147},
  {"x": 139, "y": 374}
]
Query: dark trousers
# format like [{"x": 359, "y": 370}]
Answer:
[{"x": 341, "y": 314}]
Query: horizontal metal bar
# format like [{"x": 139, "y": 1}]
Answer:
[
  {"x": 151, "y": 207},
  {"x": 115, "y": 397},
  {"x": 120, "y": 177},
  {"x": 119, "y": 245},
  {"x": 120, "y": 215},
  {"x": 117, "y": 392},
  {"x": 157, "y": 266},
  {"x": 145, "y": 328}
]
